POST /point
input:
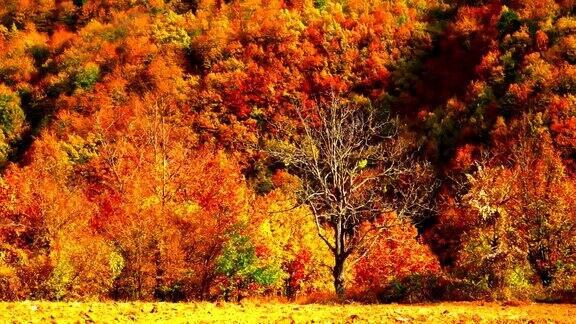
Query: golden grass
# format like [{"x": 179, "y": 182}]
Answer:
[{"x": 252, "y": 312}]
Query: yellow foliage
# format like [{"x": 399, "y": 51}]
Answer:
[{"x": 288, "y": 232}]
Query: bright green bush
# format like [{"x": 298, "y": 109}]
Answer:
[{"x": 240, "y": 268}]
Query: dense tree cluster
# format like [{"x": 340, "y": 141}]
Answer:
[{"x": 178, "y": 150}]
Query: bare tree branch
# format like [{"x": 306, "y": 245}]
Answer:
[{"x": 354, "y": 166}]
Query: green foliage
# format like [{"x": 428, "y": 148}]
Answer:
[
  {"x": 81, "y": 150},
  {"x": 87, "y": 76},
  {"x": 40, "y": 53},
  {"x": 320, "y": 4},
  {"x": 240, "y": 265},
  {"x": 402, "y": 19},
  {"x": 11, "y": 121},
  {"x": 509, "y": 22},
  {"x": 11, "y": 115}
]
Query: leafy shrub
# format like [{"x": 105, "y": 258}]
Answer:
[
  {"x": 240, "y": 270},
  {"x": 413, "y": 288}
]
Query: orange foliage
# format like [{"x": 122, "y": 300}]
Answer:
[{"x": 396, "y": 253}]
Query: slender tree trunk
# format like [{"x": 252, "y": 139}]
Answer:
[{"x": 339, "y": 260}]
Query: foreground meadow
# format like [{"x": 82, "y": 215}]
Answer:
[{"x": 50, "y": 312}]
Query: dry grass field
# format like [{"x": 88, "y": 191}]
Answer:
[{"x": 252, "y": 312}]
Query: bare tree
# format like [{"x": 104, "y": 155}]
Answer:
[{"x": 354, "y": 166}]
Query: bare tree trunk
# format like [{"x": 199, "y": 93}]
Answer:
[
  {"x": 338, "y": 273},
  {"x": 339, "y": 260}
]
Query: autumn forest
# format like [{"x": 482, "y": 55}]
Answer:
[{"x": 301, "y": 150}]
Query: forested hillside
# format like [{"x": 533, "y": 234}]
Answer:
[{"x": 219, "y": 149}]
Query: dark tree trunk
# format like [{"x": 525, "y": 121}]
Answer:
[
  {"x": 338, "y": 273},
  {"x": 339, "y": 260}
]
